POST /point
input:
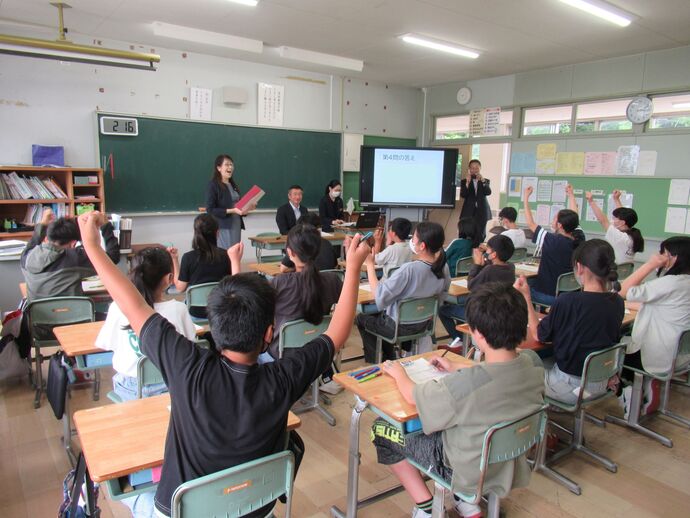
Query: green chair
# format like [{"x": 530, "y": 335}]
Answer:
[
  {"x": 599, "y": 366},
  {"x": 463, "y": 266},
  {"x": 237, "y": 491},
  {"x": 567, "y": 282},
  {"x": 410, "y": 311},
  {"x": 519, "y": 255},
  {"x": 502, "y": 442},
  {"x": 293, "y": 335},
  {"x": 147, "y": 374},
  {"x": 624, "y": 270},
  {"x": 197, "y": 297},
  {"x": 338, "y": 272},
  {"x": 634, "y": 418},
  {"x": 45, "y": 314},
  {"x": 268, "y": 258}
]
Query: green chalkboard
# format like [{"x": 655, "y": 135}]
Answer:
[
  {"x": 167, "y": 166},
  {"x": 650, "y": 196}
]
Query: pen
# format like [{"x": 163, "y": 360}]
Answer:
[{"x": 369, "y": 377}]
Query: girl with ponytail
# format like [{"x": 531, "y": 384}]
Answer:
[
  {"x": 579, "y": 322},
  {"x": 427, "y": 276},
  {"x": 151, "y": 274},
  {"x": 621, "y": 233}
]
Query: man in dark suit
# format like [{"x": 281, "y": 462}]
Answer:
[
  {"x": 474, "y": 190},
  {"x": 288, "y": 214}
]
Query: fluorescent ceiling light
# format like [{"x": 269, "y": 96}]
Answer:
[
  {"x": 442, "y": 46},
  {"x": 319, "y": 58},
  {"x": 179, "y": 32},
  {"x": 603, "y": 10},
  {"x": 250, "y": 3},
  {"x": 681, "y": 105}
]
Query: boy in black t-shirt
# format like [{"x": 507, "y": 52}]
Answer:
[{"x": 225, "y": 408}]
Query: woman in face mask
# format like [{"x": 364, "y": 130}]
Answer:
[
  {"x": 580, "y": 322},
  {"x": 331, "y": 206}
]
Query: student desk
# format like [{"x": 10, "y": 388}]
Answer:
[
  {"x": 92, "y": 289},
  {"x": 381, "y": 395},
  {"x": 526, "y": 269},
  {"x": 278, "y": 242},
  {"x": 267, "y": 269},
  {"x": 121, "y": 439},
  {"x": 457, "y": 288}
]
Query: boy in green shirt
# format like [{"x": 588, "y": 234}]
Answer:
[{"x": 458, "y": 409}]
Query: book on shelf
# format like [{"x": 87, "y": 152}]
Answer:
[
  {"x": 252, "y": 197},
  {"x": 34, "y": 212},
  {"x": 15, "y": 187}
]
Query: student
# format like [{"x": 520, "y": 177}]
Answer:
[
  {"x": 331, "y": 206},
  {"x": 458, "y": 409},
  {"x": 507, "y": 218},
  {"x": 663, "y": 316},
  {"x": 288, "y": 214},
  {"x": 54, "y": 265},
  {"x": 556, "y": 249},
  {"x": 621, "y": 233},
  {"x": 462, "y": 246},
  {"x": 579, "y": 322},
  {"x": 151, "y": 274},
  {"x": 326, "y": 258},
  {"x": 205, "y": 262},
  {"x": 425, "y": 277},
  {"x": 225, "y": 409},
  {"x": 490, "y": 265},
  {"x": 397, "y": 251}
]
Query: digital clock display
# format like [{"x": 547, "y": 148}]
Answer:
[{"x": 119, "y": 126}]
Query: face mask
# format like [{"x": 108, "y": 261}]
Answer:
[
  {"x": 412, "y": 247},
  {"x": 336, "y": 194}
]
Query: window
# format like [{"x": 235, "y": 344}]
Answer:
[
  {"x": 671, "y": 112},
  {"x": 458, "y": 126},
  {"x": 551, "y": 120},
  {"x": 602, "y": 116}
]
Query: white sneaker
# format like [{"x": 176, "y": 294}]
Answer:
[
  {"x": 331, "y": 388},
  {"x": 418, "y": 513},
  {"x": 468, "y": 510},
  {"x": 624, "y": 401}
]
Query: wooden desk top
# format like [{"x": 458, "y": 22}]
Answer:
[
  {"x": 281, "y": 240},
  {"x": 382, "y": 392},
  {"x": 526, "y": 269},
  {"x": 123, "y": 438},
  {"x": 272, "y": 269},
  {"x": 80, "y": 339},
  {"x": 98, "y": 290},
  {"x": 366, "y": 296}
]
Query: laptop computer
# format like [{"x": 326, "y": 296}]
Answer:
[{"x": 368, "y": 220}]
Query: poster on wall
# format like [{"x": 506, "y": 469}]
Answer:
[
  {"x": 270, "y": 105},
  {"x": 627, "y": 160},
  {"x": 486, "y": 121},
  {"x": 200, "y": 103}
]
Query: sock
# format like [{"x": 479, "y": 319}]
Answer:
[{"x": 426, "y": 505}]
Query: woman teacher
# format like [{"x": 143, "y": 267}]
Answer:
[
  {"x": 222, "y": 194},
  {"x": 331, "y": 206}
]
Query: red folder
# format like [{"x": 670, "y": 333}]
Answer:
[{"x": 252, "y": 197}]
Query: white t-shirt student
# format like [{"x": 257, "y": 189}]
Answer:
[
  {"x": 393, "y": 256},
  {"x": 125, "y": 344},
  {"x": 622, "y": 244},
  {"x": 517, "y": 236}
]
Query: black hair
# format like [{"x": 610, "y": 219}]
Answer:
[
  {"x": 205, "y": 240},
  {"x": 467, "y": 229},
  {"x": 503, "y": 246},
  {"x": 332, "y": 184},
  {"x": 499, "y": 312},
  {"x": 599, "y": 257},
  {"x": 295, "y": 186},
  {"x": 431, "y": 234},
  {"x": 239, "y": 310},
  {"x": 63, "y": 230},
  {"x": 216, "y": 174},
  {"x": 149, "y": 266},
  {"x": 304, "y": 241},
  {"x": 508, "y": 213},
  {"x": 678, "y": 246},
  {"x": 401, "y": 227},
  {"x": 310, "y": 218},
  {"x": 474, "y": 161},
  {"x": 568, "y": 219},
  {"x": 629, "y": 216}
]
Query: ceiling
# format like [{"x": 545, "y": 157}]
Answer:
[{"x": 512, "y": 35}]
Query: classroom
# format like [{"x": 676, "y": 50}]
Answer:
[{"x": 233, "y": 119}]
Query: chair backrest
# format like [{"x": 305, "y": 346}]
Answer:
[
  {"x": 567, "y": 282},
  {"x": 339, "y": 273},
  {"x": 416, "y": 311},
  {"x": 237, "y": 491},
  {"x": 147, "y": 374},
  {"x": 624, "y": 270},
  {"x": 197, "y": 295},
  {"x": 683, "y": 352},
  {"x": 463, "y": 266},
  {"x": 511, "y": 439},
  {"x": 296, "y": 333},
  {"x": 520, "y": 254},
  {"x": 268, "y": 234},
  {"x": 44, "y": 314},
  {"x": 600, "y": 366}
]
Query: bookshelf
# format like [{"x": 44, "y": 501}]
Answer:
[{"x": 72, "y": 181}]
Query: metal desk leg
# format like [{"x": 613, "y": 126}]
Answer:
[
  {"x": 97, "y": 384},
  {"x": 67, "y": 431}
]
